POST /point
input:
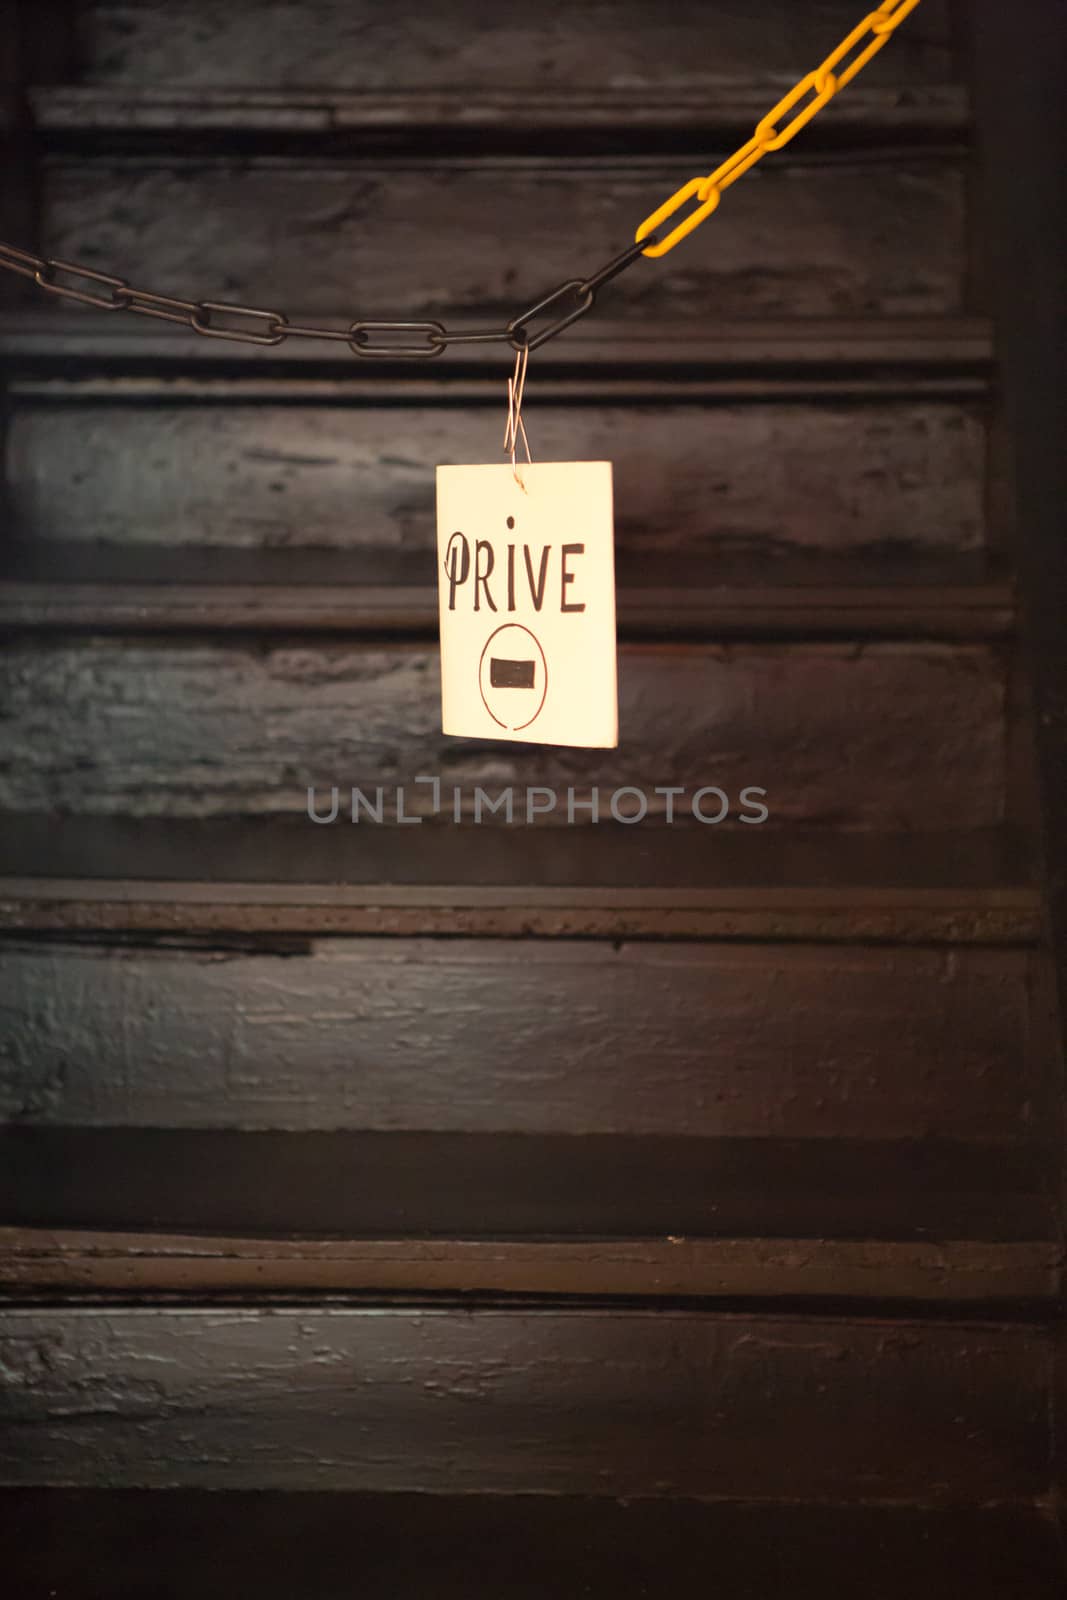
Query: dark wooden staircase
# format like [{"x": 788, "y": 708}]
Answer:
[{"x": 536, "y": 1210}]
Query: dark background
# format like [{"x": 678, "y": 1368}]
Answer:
[{"x": 591, "y": 1209}]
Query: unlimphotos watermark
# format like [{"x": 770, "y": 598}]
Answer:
[{"x": 629, "y": 803}]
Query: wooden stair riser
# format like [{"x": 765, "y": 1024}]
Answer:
[
  {"x": 470, "y": 1036},
  {"x": 916, "y": 731},
  {"x": 605, "y": 1402},
  {"x": 764, "y": 480},
  {"x": 807, "y": 237},
  {"x": 361, "y": 46}
]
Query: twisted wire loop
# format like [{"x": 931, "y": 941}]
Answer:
[
  {"x": 562, "y": 306},
  {"x": 516, "y": 428}
]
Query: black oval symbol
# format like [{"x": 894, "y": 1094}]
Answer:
[{"x": 513, "y": 677}]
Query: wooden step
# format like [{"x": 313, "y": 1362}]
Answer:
[
  {"x": 97, "y": 115},
  {"x": 51, "y": 586},
  {"x": 50, "y": 349},
  {"x": 289, "y": 877},
  {"x": 361, "y": 47},
  {"x": 834, "y": 455},
  {"x": 869, "y": 232},
  {"x": 143, "y": 1035},
  {"x": 79, "y": 1543},
  {"x": 765, "y": 1111},
  {"x": 846, "y": 733},
  {"x": 612, "y": 1401},
  {"x": 927, "y": 1271},
  {"x": 983, "y": 1202},
  {"x": 783, "y": 1038}
]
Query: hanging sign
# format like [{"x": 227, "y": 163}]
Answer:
[{"x": 526, "y": 583}]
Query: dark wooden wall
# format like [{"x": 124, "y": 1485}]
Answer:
[
  {"x": 1018, "y": 72},
  {"x": 544, "y": 1168}
]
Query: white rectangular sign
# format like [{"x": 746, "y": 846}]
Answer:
[{"x": 526, "y": 580}]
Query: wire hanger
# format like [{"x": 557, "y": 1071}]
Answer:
[{"x": 515, "y": 426}]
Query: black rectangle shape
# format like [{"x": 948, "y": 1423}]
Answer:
[{"x": 505, "y": 674}]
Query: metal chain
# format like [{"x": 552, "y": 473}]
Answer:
[{"x": 221, "y": 319}]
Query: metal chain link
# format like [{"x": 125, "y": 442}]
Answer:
[{"x": 66, "y": 280}]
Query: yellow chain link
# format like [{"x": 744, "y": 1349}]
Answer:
[{"x": 821, "y": 84}]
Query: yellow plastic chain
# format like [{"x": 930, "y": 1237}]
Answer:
[{"x": 822, "y": 84}]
